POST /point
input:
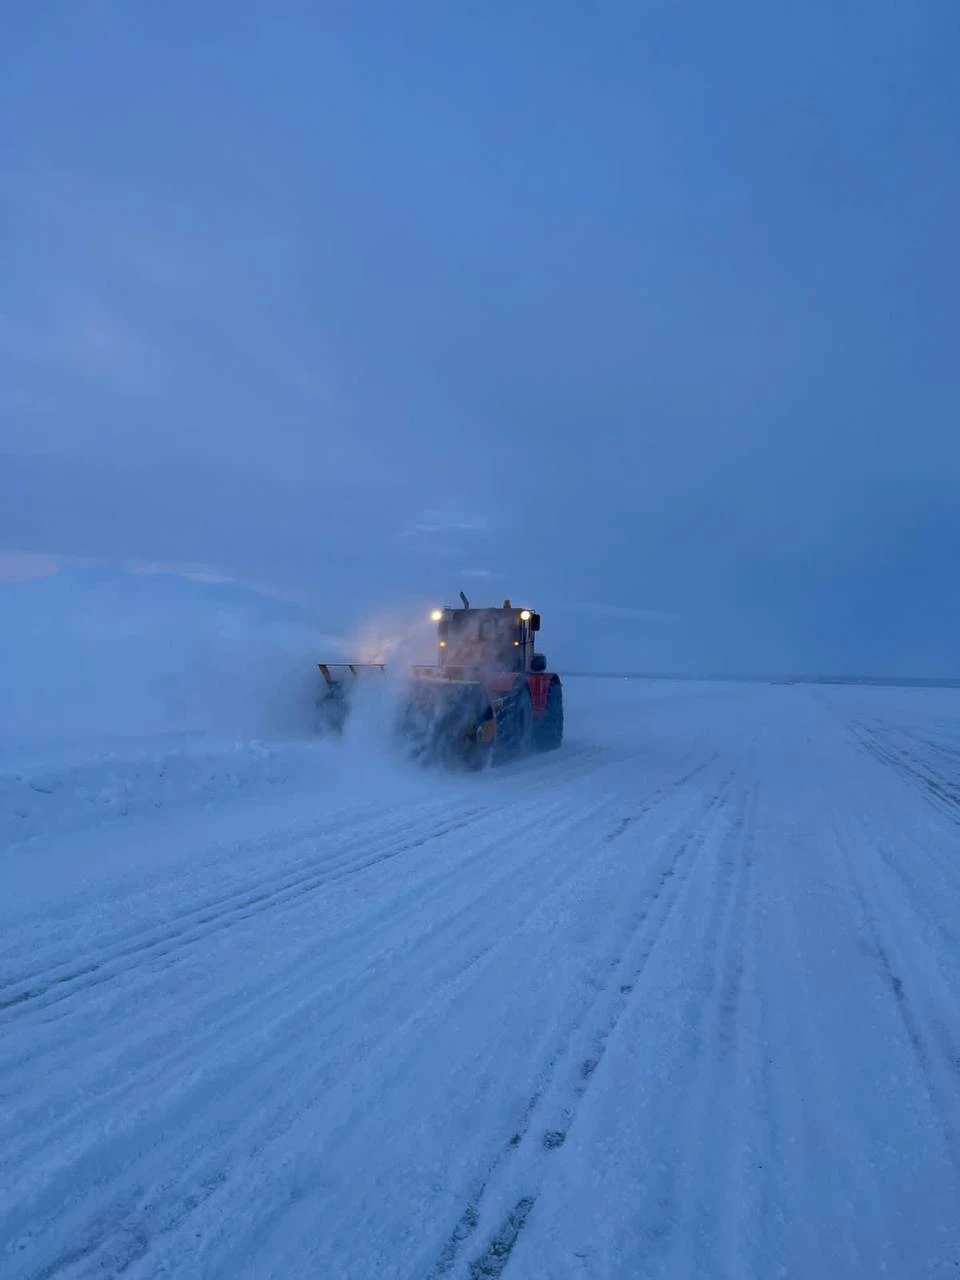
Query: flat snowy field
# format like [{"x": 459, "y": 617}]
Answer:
[{"x": 680, "y": 1000}]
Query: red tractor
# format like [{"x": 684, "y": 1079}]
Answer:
[{"x": 488, "y": 699}]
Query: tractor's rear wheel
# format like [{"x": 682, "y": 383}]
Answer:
[
  {"x": 514, "y": 724},
  {"x": 549, "y": 734}
]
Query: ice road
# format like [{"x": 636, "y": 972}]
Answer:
[{"x": 679, "y": 1000}]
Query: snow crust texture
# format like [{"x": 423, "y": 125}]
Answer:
[{"x": 679, "y": 1000}]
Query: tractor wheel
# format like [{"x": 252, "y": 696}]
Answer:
[
  {"x": 549, "y": 734},
  {"x": 477, "y": 748},
  {"x": 514, "y": 724}
]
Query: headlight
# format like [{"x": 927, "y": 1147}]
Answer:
[
  {"x": 437, "y": 615},
  {"x": 525, "y": 616}
]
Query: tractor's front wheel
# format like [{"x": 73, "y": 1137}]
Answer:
[
  {"x": 550, "y": 729},
  {"x": 478, "y": 746},
  {"x": 514, "y": 724}
]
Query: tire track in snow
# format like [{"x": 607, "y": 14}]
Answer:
[
  {"x": 946, "y": 863},
  {"x": 502, "y": 940},
  {"x": 932, "y": 920},
  {"x": 659, "y": 794},
  {"x": 949, "y": 753},
  {"x": 723, "y": 1053},
  {"x": 935, "y": 1049},
  {"x": 568, "y": 763},
  {"x": 248, "y": 900},
  {"x": 575, "y": 856},
  {"x": 199, "y": 923},
  {"x": 105, "y": 1232},
  {"x": 310, "y": 836},
  {"x": 571, "y": 1068},
  {"x": 130, "y": 1217},
  {"x": 333, "y": 956},
  {"x": 760, "y": 1183},
  {"x": 705, "y": 1032},
  {"x": 306, "y": 833},
  {"x": 944, "y": 795},
  {"x": 682, "y": 868},
  {"x": 554, "y": 1138}
]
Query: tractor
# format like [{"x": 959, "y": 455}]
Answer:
[{"x": 488, "y": 699}]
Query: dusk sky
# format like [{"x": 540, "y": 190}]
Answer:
[{"x": 645, "y": 313}]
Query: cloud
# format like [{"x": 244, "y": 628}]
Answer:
[
  {"x": 106, "y": 302},
  {"x": 428, "y": 532},
  {"x": 191, "y": 572},
  {"x": 449, "y": 520},
  {"x": 21, "y": 566},
  {"x": 413, "y": 541}
]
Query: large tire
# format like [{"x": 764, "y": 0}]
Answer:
[
  {"x": 514, "y": 725},
  {"x": 549, "y": 734},
  {"x": 441, "y": 725}
]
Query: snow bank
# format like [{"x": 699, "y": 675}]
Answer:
[
  {"x": 124, "y": 694},
  {"x": 66, "y": 788},
  {"x": 41, "y": 800}
]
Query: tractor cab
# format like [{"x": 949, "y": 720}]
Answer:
[{"x": 489, "y": 639}]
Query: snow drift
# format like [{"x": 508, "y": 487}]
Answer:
[{"x": 123, "y": 694}]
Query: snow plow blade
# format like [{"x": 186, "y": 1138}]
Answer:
[
  {"x": 333, "y": 705},
  {"x": 447, "y": 722},
  {"x": 439, "y": 720}
]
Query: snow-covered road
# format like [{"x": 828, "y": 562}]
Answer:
[{"x": 681, "y": 1000}]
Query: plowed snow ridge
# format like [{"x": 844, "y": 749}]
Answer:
[{"x": 680, "y": 1000}]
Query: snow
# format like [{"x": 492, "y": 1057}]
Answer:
[
  {"x": 103, "y": 654},
  {"x": 679, "y": 1000}
]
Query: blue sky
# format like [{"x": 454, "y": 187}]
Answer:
[{"x": 644, "y": 312}]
